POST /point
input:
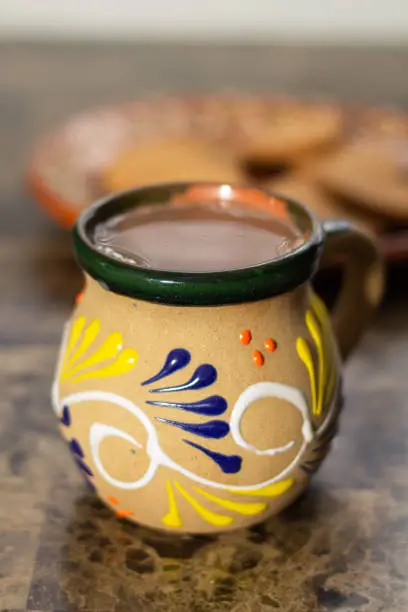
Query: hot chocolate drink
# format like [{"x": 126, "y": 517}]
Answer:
[{"x": 196, "y": 237}]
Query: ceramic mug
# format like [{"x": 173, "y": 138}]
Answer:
[{"x": 200, "y": 402}]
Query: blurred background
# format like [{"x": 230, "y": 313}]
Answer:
[
  {"x": 361, "y": 21},
  {"x": 60, "y": 59}
]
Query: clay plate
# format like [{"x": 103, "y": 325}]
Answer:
[{"x": 65, "y": 173}]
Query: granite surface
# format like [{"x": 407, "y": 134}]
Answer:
[{"x": 342, "y": 546}]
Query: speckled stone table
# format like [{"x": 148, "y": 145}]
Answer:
[{"x": 344, "y": 545}]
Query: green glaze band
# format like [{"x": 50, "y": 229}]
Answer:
[{"x": 199, "y": 288}]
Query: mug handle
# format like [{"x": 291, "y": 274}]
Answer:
[{"x": 362, "y": 283}]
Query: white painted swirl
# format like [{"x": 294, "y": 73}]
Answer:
[
  {"x": 269, "y": 389},
  {"x": 100, "y": 432}
]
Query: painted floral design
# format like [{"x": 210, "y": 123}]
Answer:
[
  {"x": 324, "y": 384},
  {"x": 109, "y": 359},
  {"x": 77, "y": 451},
  {"x": 88, "y": 355}
]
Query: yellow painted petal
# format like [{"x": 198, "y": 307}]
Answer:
[
  {"x": 172, "y": 518},
  {"x": 306, "y": 356},
  {"x": 76, "y": 331},
  {"x": 218, "y": 520},
  {"x": 109, "y": 350},
  {"x": 239, "y": 507},
  {"x": 314, "y": 331},
  {"x": 75, "y": 334},
  {"x": 319, "y": 308},
  {"x": 323, "y": 317},
  {"x": 122, "y": 365},
  {"x": 272, "y": 490},
  {"x": 88, "y": 338}
]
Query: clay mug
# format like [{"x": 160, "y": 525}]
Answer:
[{"x": 203, "y": 402}]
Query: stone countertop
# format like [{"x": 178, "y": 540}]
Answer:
[{"x": 344, "y": 544}]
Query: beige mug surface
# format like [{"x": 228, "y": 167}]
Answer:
[{"x": 219, "y": 456}]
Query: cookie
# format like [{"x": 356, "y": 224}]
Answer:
[
  {"x": 383, "y": 123},
  {"x": 170, "y": 160},
  {"x": 324, "y": 205},
  {"x": 371, "y": 174},
  {"x": 292, "y": 131}
]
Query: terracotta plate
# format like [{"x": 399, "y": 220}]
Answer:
[{"x": 69, "y": 168}]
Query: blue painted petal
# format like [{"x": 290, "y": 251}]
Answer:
[
  {"x": 215, "y": 405},
  {"x": 176, "y": 360},
  {"x": 82, "y": 466},
  {"x": 211, "y": 429},
  {"x": 229, "y": 464},
  {"x": 66, "y": 416},
  {"x": 204, "y": 376},
  {"x": 76, "y": 448}
]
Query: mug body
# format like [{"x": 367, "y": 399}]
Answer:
[{"x": 196, "y": 417}]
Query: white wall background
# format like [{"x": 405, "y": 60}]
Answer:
[{"x": 365, "y": 21}]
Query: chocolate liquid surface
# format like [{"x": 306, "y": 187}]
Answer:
[{"x": 196, "y": 237}]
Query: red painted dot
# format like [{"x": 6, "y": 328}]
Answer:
[
  {"x": 124, "y": 513},
  {"x": 270, "y": 345},
  {"x": 79, "y": 297},
  {"x": 258, "y": 358},
  {"x": 245, "y": 336}
]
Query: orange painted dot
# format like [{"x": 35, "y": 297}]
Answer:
[
  {"x": 80, "y": 297},
  {"x": 124, "y": 513},
  {"x": 113, "y": 500},
  {"x": 245, "y": 336},
  {"x": 258, "y": 358},
  {"x": 270, "y": 345}
]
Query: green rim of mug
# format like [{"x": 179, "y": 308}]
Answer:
[{"x": 232, "y": 286}]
